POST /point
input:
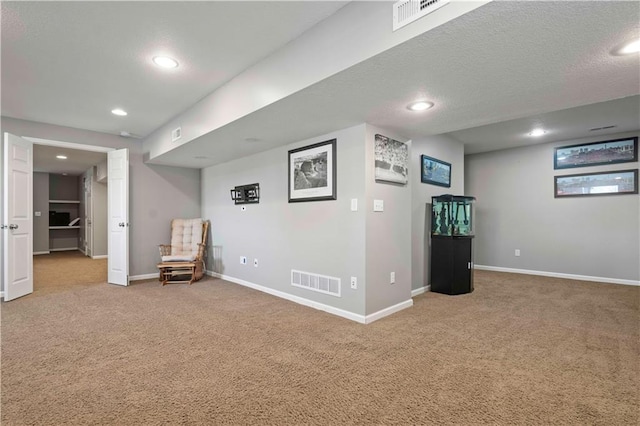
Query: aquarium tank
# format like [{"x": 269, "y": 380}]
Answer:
[{"x": 452, "y": 215}]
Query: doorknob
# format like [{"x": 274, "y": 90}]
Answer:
[
  {"x": 13, "y": 226},
  {"x": 121, "y": 224}
]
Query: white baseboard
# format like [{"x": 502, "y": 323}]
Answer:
[
  {"x": 388, "y": 311},
  {"x": 1, "y": 294},
  {"x": 102, "y": 256},
  {"x": 142, "y": 277},
  {"x": 557, "y": 275},
  {"x": 81, "y": 250},
  {"x": 362, "y": 319},
  {"x": 36, "y": 253},
  {"x": 64, "y": 249},
  {"x": 420, "y": 290}
]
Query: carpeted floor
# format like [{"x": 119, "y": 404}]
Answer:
[
  {"x": 66, "y": 270},
  {"x": 519, "y": 350}
]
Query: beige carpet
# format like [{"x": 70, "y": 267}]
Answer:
[
  {"x": 519, "y": 350},
  {"x": 65, "y": 270}
]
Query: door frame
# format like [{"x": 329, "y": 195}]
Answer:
[{"x": 63, "y": 144}]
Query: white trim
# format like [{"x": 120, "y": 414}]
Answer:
[
  {"x": 69, "y": 145},
  {"x": 102, "y": 256},
  {"x": 142, "y": 277},
  {"x": 300, "y": 300},
  {"x": 557, "y": 275},
  {"x": 64, "y": 249},
  {"x": 35, "y": 253},
  {"x": 362, "y": 319},
  {"x": 388, "y": 311},
  {"x": 1, "y": 294},
  {"x": 420, "y": 290}
]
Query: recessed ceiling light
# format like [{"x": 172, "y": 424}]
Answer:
[
  {"x": 165, "y": 62},
  {"x": 629, "y": 48},
  {"x": 419, "y": 106},
  {"x": 61, "y": 157},
  {"x": 65, "y": 174},
  {"x": 537, "y": 132},
  {"x": 119, "y": 112}
]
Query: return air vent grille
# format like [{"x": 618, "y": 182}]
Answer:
[
  {"x": 316, "y": 282},
  {"x": 176, "y": 134},
  {"x": 407, "y": 11},
  {"x": 601, "y": 128}
]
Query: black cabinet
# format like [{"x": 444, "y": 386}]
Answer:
[{"x": 451, "y": 264}]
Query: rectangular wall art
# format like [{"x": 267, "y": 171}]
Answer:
[
  {"x": 435, "y": 172},
  {"x": 312, "y": 172},
  {"x": 602, "y": 183},
  {"x": 391, "y": 160},
  {"x": 596, "y": 153}
]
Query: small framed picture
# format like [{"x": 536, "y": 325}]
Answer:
[
  {"x": 435, "y": 172},
  {"x": 312, "y": 172},
  {"x": 602, "y": 183}
]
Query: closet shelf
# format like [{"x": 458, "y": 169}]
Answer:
[{"x": 64, "y": 202}]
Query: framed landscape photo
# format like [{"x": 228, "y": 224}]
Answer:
[
  {"x": 596, "y": 153},
  {"x": 602, "y": 183},
  {"x": 391, "y": 160},
  {"x": 435, "y": 172},
  {"x": 312, "y": 172}
]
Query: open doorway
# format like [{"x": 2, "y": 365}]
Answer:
[{"x": 70, "y": 217}]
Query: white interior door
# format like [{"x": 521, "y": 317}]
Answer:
[
  {"x": 118, "y": 226},
  {"x": 17, "y": 222}
]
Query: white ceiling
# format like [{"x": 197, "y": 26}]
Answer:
[
  {"x": 77, "y": 162},
  {"x": 71, "y": 63},
  {"x": 506, "y": 61}
]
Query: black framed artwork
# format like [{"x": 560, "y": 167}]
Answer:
[
  {"x": 435, "y": 172},
  {"x": 601, "y": 183},
  {"x": 312, "y": 172},
  {"x": 596, "y": 153}
]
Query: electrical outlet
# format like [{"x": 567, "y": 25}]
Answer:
[
  {"x": 378, "y": 205},
  {"x": 255, "y": 262},
  {"x": 354, "y": 283},
  {"x": 517, "y": 252},
  {"x": 392, "y": 278},
  {"x": 243, "y": 260}
]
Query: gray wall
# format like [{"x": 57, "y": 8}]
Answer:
[
  {"x": 446, "y": 149},
  {"x": 322, "y": 237},
  {"x": 516, "y": 209},
  {"x": 388, "y": 233},
  {"x": 157, "y": 193},
  {"x": 41, "y": 204}
]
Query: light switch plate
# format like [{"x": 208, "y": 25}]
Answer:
[
  {"x": 354, "y": 204},
  {"x": 38, "y": 214},
  {"x": 378, "y": 205}
]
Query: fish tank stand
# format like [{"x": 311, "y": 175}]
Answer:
[{"x": 452, "y": 234}]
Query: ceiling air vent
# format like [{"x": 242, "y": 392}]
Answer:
[
  {"x": 176, "y": 134},
  {"x": 601, "y": 128},
  {"x": 407, "y": 11}
]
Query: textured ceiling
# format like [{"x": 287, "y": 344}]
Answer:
[
  {"x": 502, "y": 61},
  {"x": 70, "y": 63}
]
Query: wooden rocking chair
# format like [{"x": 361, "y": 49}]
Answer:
[{"x": 183, "y": 259}]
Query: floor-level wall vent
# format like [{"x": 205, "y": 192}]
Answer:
[
  {"x": 407, "y": 11},
  {"x": 316, "y": 282}
]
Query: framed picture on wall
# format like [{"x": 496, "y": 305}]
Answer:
[
  {"x": 602, "y": 183},
  {"x": 596, "y": 153},
  {"x": 312, "y": 172},
  {"x": 391, "y": 160},
  {"x": 435, "y": 172}
]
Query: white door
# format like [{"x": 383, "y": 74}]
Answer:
[
  {"x": 118, "y": 226},
  {"x": 17, "y": 222}
]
